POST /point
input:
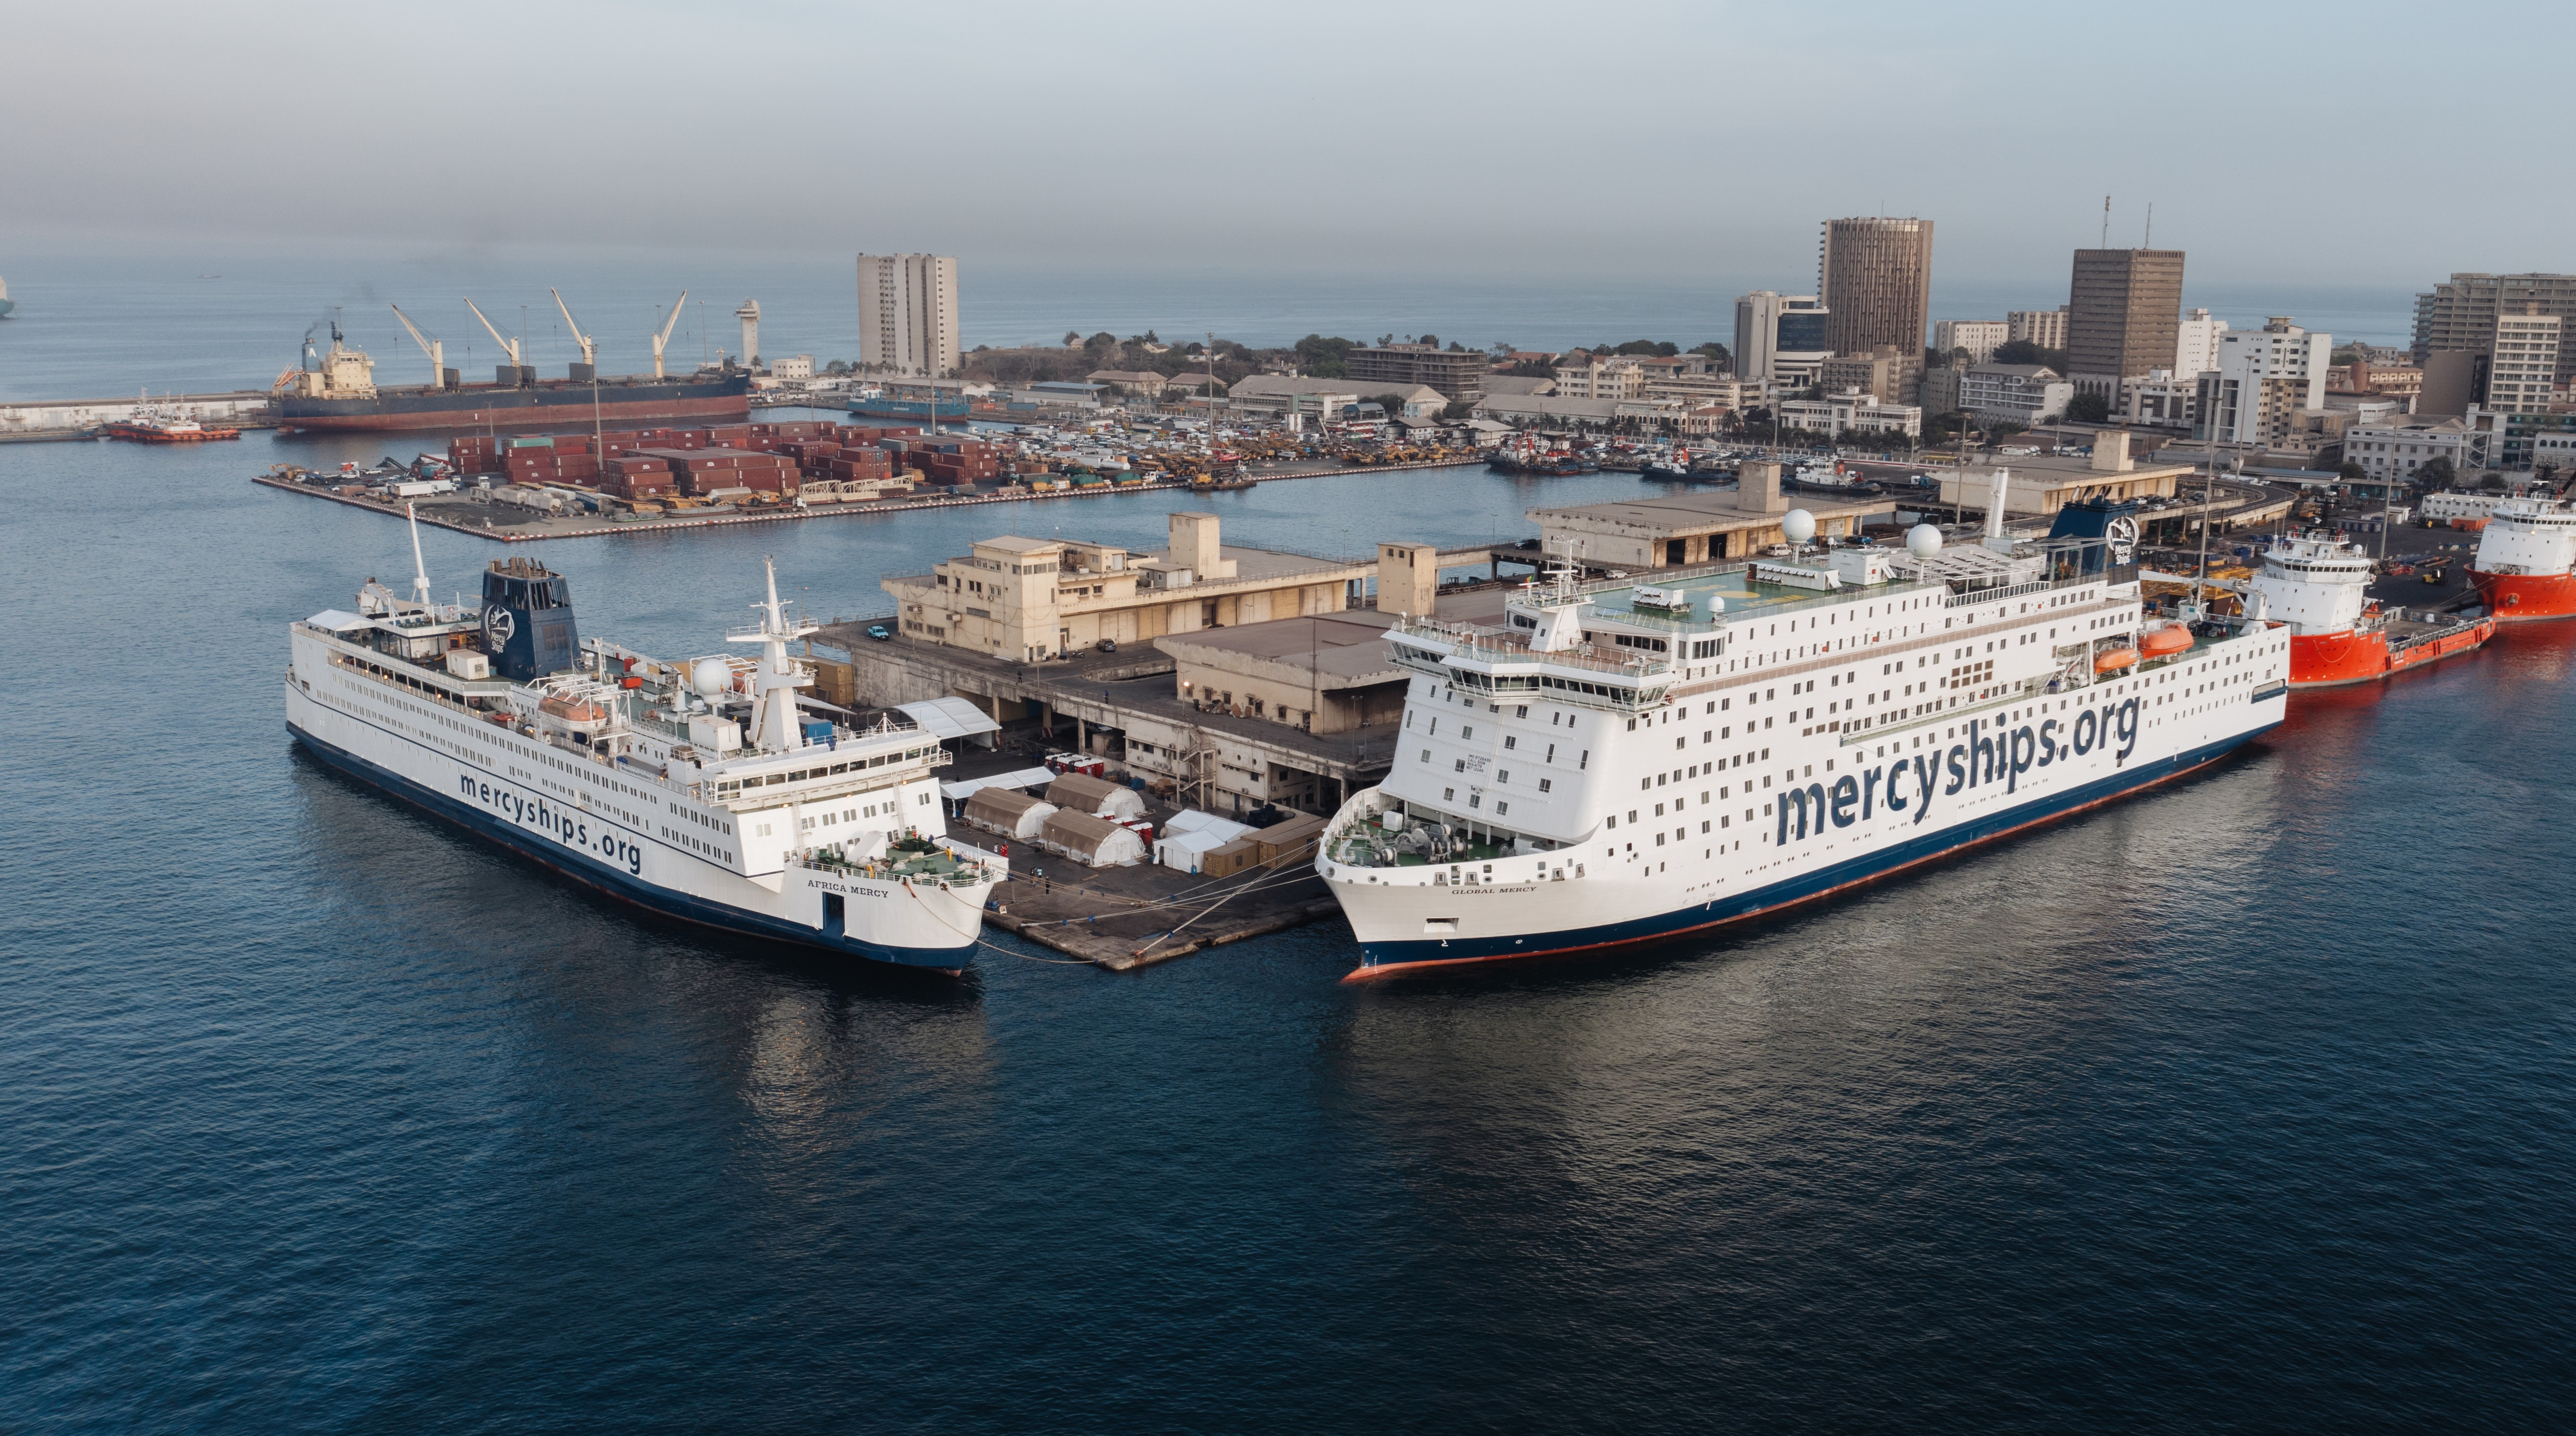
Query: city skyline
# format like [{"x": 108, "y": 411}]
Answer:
[{"x": 201, "y": 92}]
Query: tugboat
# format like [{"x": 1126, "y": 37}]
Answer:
[
  {"x": 2337, "y": 634},
  {"x": 2525, "y": 567},
  {"x": 162, "y": 424}
]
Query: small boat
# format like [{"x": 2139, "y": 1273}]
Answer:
[
  {"x": 2164, "y": 640},
  {"x": 2113, "y": 660}
]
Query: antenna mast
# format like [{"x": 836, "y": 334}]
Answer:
[{"x": 2106, "y": 221}]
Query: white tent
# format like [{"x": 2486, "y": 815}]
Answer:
[
  {"x": 949, "y": 718},
  {"x": 1194, "y": 821},
  {"x": 965, "y": 788},
  {"x": 1096, "y": 841},
  {"x": 1013, "y": 815},
  {"x": 1181, "y": 851}
]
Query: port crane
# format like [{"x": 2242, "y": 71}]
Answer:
[
  {"x": 508, "y": 346},
  {"x": 436, "y": 352},
  {"x": 665, "y": 336},
  {"x": 589, "y": 350}
]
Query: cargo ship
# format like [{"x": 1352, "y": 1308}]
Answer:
[
  {"x": 705, "y": 790},
  {"x": 1621, "y": 763},
  {"x": 931, "y": 410},
  {"x": 2525, "y": 567},
  {"x": 338, "y": 392}
]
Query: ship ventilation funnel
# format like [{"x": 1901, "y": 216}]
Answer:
[{"x": 527, "y": 619}]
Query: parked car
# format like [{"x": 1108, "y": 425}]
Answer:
[
  {"x": 879, "y": 632},
  {"x": 1108, "y": 645}
]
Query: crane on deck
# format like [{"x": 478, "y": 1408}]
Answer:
[
  {"x": 436, "y": 352},
  {"x": 665, "y": 336},
  {"x": 508, "y": 346},
  {"x": 589, "y": 350}
]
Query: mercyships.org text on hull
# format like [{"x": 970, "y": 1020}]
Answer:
[
  {"x": 634, "y": 775},
  {"x": 1620, "y": 763}
]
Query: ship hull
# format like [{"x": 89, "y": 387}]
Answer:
[
  {"x": 2332, "y": 660},
  {"x": 544, "y": 406},
  {"x": 1388, "y": 957},
  {"x": 921, "y": 411},
  {"x": 2526, "y": 597},
  {"x": 549, "y": 851}
]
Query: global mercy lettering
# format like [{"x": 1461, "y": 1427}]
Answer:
[
  {"x": 566, "y": 828},
  {"x": 1983, "y": 758}
]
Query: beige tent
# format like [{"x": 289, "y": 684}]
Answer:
[
  {"x": 1013, "y": 815},
  {"x": 1095, "y": 841},
  {"x": 1096, "y": 796}
]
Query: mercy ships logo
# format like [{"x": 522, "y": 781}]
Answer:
[
  {"x": 497, "y": 628},
  {"x": 2001, "y": 756}
]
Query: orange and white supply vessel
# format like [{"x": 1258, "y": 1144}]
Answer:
[
  {"x": 2526, "y": 563},
  {"x": 2337, "y": 635}
]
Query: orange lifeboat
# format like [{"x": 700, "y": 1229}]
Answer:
[
  {"x": 2115, "y": 660},
  {"x": 2164, "y": 642}
]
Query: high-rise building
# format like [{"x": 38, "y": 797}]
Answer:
[
  {"x": 1779, "y": 338},
  {"x": 1890, "y": 376},
  {"x": 1980, "y": 337},
  {"x": 908, "y": 315},
  {"x": 1875, "y": 277},
  {"x": 2264, "y": 378},
  {"x": 2043, "y": 327},
  {"x": 2459, "y": 317},
  {"x": 2523, "y": 367},
  {"x": 2123, "y": 309},
  {"x": 2196, "y": 344}
]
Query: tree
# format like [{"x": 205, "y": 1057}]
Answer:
[
  {"x": 1072, "y": 337},
  {"x": 1459, "y": 409},
  {"x": 1429, "y": 340},
  {"x": 1388, "y": 404},
  {"x": 1716, "y": 354},
  {"x": 842, "y": 366},
  {"x": 2436, "y": 474},
  {"x": 2350, "y": 470},
  {"x": 2088, "y": 408},
  {"x": 1322, "y": 357}
]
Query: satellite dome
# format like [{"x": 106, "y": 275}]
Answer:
[
  {"x": 1923, "y": 541},
  {"x": 710, "y": 676},
  {"x": 1797, "y": 525}
]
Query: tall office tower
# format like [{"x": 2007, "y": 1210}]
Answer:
[
  {"x": 1774, "y": 332},
  {"x": 908, "y": 314},
  {"x": 2043, "y": 327},
  {"x": 1875, "y": 277},
  {"x": 2123, "y": 314},
  {"x": 2460, "y": 316}
]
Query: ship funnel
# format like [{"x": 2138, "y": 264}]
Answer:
[{"x": 527, "y": 619}]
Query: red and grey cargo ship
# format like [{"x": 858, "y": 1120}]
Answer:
[{"x": 339, "y": 393}]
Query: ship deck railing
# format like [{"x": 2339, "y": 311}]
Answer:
[{"x": 1506, "y": 644}]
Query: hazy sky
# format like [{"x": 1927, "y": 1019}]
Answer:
[{"x": 2352, "y": 144}]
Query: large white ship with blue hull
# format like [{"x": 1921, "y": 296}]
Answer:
[
  {"x": 706, "y": 790},
  {"x": 1621, "y": 763}
]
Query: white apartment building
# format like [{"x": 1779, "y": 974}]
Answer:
[
  {"x": 1980, "y": 337},
  {"x": 1850, "y": 409},
  {"x": 2160, "y": 400},
  {"x": 2043, "y": 327},
  {"x": 908, "y": 315},
  {"x": 2025, "y": 394},
  {"x": 2264, "y": 379},
  {"x": 2393, "y": 449},
  {"x": 2196, "y": 344},
  {"x": 1617, "y": 376},
  {"x": 2523, "y": 366}
]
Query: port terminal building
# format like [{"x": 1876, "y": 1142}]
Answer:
[{"x": 1673, "y": 530}]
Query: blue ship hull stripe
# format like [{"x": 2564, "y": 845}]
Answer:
[
  {"x": 1378, "y": 959},
  {"x": 616, "y": 883}
]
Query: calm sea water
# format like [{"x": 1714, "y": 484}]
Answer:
[{"x": 2244, "y": 1104}]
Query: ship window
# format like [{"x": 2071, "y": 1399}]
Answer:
[{"x": 1544, "y": 784}]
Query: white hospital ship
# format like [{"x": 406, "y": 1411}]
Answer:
[
  {"x": 699, "y": 789},
  {"x": 1618, "y": 763}
]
